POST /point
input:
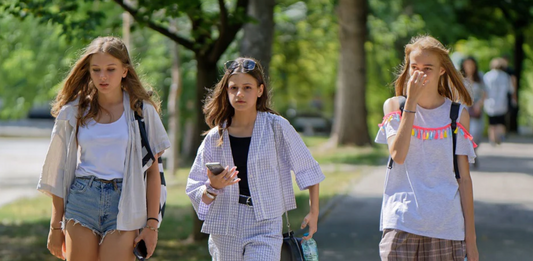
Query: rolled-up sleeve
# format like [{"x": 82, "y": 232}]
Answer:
[
  {"x": 198, "y": 176},
  {"x": 306, "y": 169},
  {"x": 202, "y": 210},
  {"x": 52, "y": 175}
]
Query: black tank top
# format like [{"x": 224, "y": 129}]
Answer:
[{"x": 239, "y": 149}]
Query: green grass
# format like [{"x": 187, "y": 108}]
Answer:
[
  {"x": 345, "y": 155},
  {"x": 24, "y": 224}
]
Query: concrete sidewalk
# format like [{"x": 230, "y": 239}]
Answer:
[{"x": 503, "y": 194}]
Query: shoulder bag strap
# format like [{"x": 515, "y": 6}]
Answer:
[
  {"x": 454, "y": 114},
  {"x": 147, "y": 154}
]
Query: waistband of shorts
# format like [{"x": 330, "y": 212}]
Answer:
[{"x": 94, "y": 178}]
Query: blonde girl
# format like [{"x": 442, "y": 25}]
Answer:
[
  {"x": 427, "y": 214},
  {"x": 93, "y": 172}
]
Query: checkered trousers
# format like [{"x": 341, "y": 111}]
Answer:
[
  {"x": 255, "y": 240},
  {"x": 397, "y": 245}
]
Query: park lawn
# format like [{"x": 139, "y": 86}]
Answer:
[{"x": 24, "y": 224}]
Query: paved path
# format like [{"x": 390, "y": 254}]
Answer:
[
  {"x": 503, "y": 193},
  {"x": 21, "y": 161}
]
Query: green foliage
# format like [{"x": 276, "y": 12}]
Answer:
[
  {"x": 79, "y": 20},
  {"x": 305, "y": 49},
  {"x": 305, "y": 53},
  {"x": 29, "y": 68}
]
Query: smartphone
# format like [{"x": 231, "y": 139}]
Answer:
[
  {"x": 215, "y": 167},
  {"x": 140, "y": 251}
]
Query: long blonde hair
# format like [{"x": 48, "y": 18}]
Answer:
[
  {"x": 450, "y": 83},
  {"x": 217, "y": 107},
  {"x": 78, "y": 83}
]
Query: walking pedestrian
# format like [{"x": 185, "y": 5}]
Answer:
[
  {"x": 242, "y": 206},
  {"x": 427, "y": 213},
  {"x": 93, "y": 169}
]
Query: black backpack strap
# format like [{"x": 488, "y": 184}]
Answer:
[
  {"x": 454, "y": 114},
  {"x": 401, "y": 100},
  {"x": 146, "y": 150}
]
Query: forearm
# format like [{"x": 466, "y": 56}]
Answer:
[
  {"x": 153, "y": 191},
  {"x": 400, "y": 144},
  {"x": 58, "y": 211},
  {"x": 206, "y": 199},
  {"x": 314, "y": 198},
  {"x": 467, "y": 202}
]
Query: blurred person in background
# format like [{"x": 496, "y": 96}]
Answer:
[
  {"x": 474, "y": 82},
  {"x": 498, "y": 86}
]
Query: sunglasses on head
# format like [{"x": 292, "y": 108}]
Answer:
[{"x": 247, "y": 65}]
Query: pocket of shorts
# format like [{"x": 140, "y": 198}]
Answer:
[{"x": 78, "y": 186}]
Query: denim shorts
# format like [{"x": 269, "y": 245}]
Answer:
[{"x": 93, "y": 203}]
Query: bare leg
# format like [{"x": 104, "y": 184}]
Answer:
[
  {"x": 81, "y": 243},
  {"x": 501, "y": 132},
  {"x": 118, "y": 246},
  {"x": 492, "y": 134}
]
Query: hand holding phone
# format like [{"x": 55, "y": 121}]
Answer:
[
  {"x": 219, "y": 180},
  {"x": 140, "y": 251},
  {"x": 215, "y": 167}
]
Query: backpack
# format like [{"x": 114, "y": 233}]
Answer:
[
  {"x": 454, "y": 114},
  {"x": 148, "y": 159}
]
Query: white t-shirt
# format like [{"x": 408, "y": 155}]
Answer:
[
  {"x": 103, "y": 149},
  {"x": 421, "y": 196},
  {"x": 498, "y": 84}
]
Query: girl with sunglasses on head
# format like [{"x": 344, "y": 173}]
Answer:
[
  {"x": 100, "y": 195},
  {"x": 242, "y": 206},
  {"x": 427, "y": 214}
]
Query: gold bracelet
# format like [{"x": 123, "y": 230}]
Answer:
[
  {"x": 55, "y": 228},
  {"x": 152, "y": 228}
]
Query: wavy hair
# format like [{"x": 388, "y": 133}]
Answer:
[
  {"x": 78, "y": 83},
  {"x": 217, "y": 107},
  {"x": 450, "y": 83}
]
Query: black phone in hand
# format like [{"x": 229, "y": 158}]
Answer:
[
  {"x": 215, "y": 167},
  {"x": 140, "y": 251}
]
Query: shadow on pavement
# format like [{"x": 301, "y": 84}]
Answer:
[
  {"x": 351, "y": 231},
  {"x": 500, "y": 163}
]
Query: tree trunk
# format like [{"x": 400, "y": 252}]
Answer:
[
  {"x": 174, "y": 112},
  {"x": 257, "y": 38},
  {"x": 519, "y": 57},
  {"x": 350, "y": 126},
  {"x": 206, "y": 78}
]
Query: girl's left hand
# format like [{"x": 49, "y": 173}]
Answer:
[
  {"x": 150, "y": 239},
  {"x": 472, "y": 253},
  {"x": 310, "y": 220}
]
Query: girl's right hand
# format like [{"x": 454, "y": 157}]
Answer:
[
  {"x": 56, "y": 243},
  {"x": 416, "y": 84},
  {"x": 224, "y": 179}
]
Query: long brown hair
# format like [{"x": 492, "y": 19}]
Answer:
[
  {"x": 217, "y": 107},
  {"x": 450, "y": 83},
  {"x": 475, "y": 77},
  {"x": 79, "y": 84}
]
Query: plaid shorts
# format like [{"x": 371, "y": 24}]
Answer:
[{"x": 397, "y": 245}]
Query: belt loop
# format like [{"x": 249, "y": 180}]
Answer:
[
  {"x": 91, "y": 181},
  {"x": 115, "y": 184}
]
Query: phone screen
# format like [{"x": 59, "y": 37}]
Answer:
[
  {"x": 140, "y": 250},
  {"x": 215, "y": 167}
]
